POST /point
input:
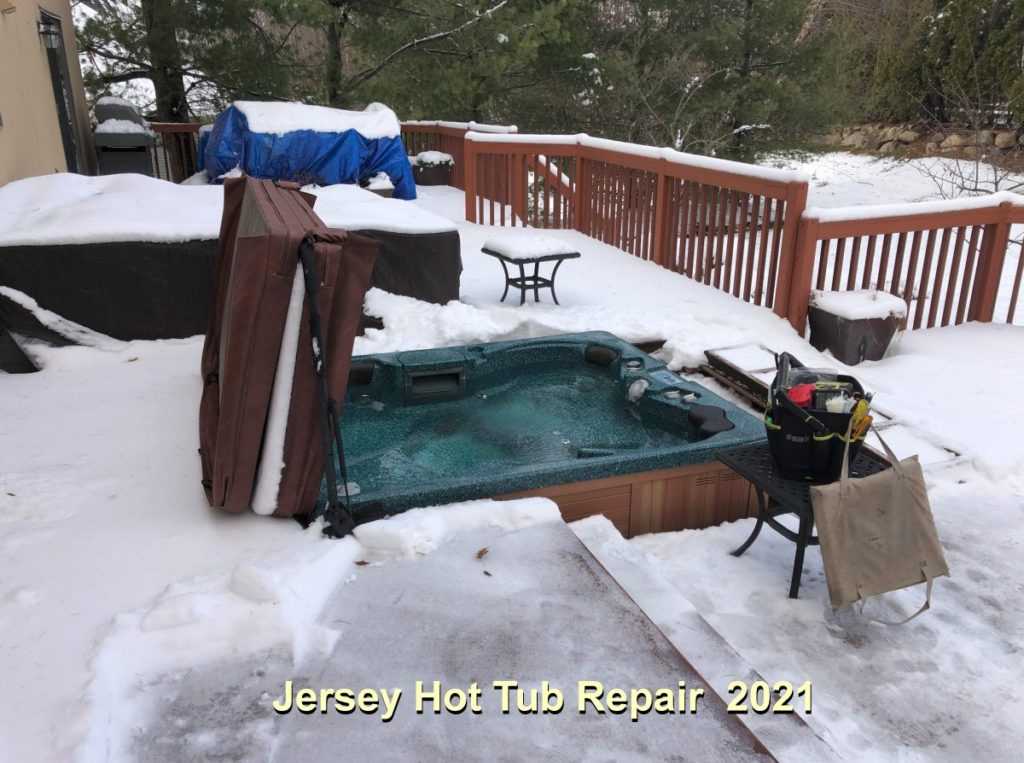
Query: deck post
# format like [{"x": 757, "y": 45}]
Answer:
[
  {"x": 803, "y": 271},
  {"x": 581, "y": 198},
  {"x": 796, "y": 203},
  {"x": 659, "y": 251},
  {"x": 469, "y": 178},
  {"x": 994, "y": 242}
]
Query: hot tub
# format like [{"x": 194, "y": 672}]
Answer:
[{"x": 586, "y": 419}]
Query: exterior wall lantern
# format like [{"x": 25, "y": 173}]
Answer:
[{"x": 49, "y": 33}]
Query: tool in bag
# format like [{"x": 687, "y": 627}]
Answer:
[
  {"x": 877, "y": 534},
  {"x": 808, "y": 420}
]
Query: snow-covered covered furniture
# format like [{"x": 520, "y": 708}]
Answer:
[
  {"x": 308, "y": 144},
  {"x": 432, "y": 167},
  {"x": 521, "y": 251},
  {"x": 123, "y": 139},
  {"x": 134, "y": 257},
  {"x": 855, "y": 325}
]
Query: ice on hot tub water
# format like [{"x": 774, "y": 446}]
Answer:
[{"x": 537, "y": 417}]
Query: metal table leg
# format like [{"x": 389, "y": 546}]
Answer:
[
  {"x": 762, "y": 508},
  {"x": 554, "y": 272},
  {"x": 536, "y": 282},
  {"x": 522, "y": 285},
  {"x": 804, "y": 536},
  {"x": 504, "y": 269}
]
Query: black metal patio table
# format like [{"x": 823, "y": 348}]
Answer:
[
  {"x": 777, "y": 495},
  {"x": 526, "y": 282}
]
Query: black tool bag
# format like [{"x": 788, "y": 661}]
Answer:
[{"x": 807, "y": 444}]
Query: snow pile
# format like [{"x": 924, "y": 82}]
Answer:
[
  {"x": 122, "y": 127},
  {"x": 527, "y": 246},
  {"x": 380, "y": 182},
  {"x": 859, "y": 304},
  {"x": 421, "y": 531},
  {"x": 73, "y": 332},
  {"x": 274, "y": 118},
  {"x": 350, "y": 207},
  {"x": 431, "y": 159},
  {"x": 66, "y": 208},
  {"x": 113, "y": 100}
]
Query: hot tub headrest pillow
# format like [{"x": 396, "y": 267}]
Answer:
[{"x": 709, "y": 419}]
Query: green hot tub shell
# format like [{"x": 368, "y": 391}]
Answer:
[{"x": 437, "y": 426}]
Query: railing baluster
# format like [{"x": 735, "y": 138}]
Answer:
[
  {"x": 926, "y": 267},
  {"x": 954, "y": 280},
  {"x": 755, "y": 229}
]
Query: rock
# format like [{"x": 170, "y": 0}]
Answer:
[
  {"x": 856, "y": 140},
  {"x": 971, "y": 152},
  {"x": 1005, "y": 139},
  {"x": 983, "y": 138},
  {"x": 908, "y": 136},
  {"x": 833, "y": 139},
  {"x": 889, "y": 147},
  {"x": 955, "y": 141},
  {"x": 938, "y": 137},
  {"x": 891, "y": 133},
  {"x": 931, "y": 148}
]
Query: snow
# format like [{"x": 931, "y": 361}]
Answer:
[
  {"x": 275, "y": 118},
  {"x": 474, "y": 126},
  {"x": 66, "y": 208},
  {"x": 121, "y": 126},
  {"x": 431, "y": 158},
  {"x": 271, "y": 463},
  {"x": 380, "y": 182},
  {"x": 870, "y": 211},
  {"x": 113, "y": 100},
  {"x": 859, "y": 303},
  {"x": 525, "y": 247},
  {"x": 350, "y": 207},
  {"x": 131, "y": 610}
]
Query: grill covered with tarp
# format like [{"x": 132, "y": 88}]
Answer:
[{"x": 308, "y": 144}]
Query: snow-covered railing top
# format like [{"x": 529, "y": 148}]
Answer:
[
  {"x": 711, "y": 163},
  {"x": 474, "y": 126},
  {"x": 914, "y": 208},
  {"x": 273, "y": 118}
]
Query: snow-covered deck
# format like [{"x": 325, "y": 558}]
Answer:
[{"x": 124, "y": 594}]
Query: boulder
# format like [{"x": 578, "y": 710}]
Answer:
[
  {"x": 891, "y": 133},
  {"x": 889, "y": 147},
  {"x": 955, "y": 141},
  {"x": 1005, "y": 139},
  {"x": 856, "y": 139},
  {"x": 983, "y": 138},
  {"x": 971, "y": 152},
  {"x": 931, "y": 148},
  {"x": 908, "y": 136},
  {"x": 938, "y": 137}
]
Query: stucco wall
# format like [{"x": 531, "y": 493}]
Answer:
[{"x": 30, "y": 139}]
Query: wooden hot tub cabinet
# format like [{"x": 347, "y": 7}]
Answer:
[{"x": 682, "y": 498}]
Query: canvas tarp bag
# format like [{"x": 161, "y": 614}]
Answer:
[
  {"x": 877, "y": 534},
  {"x": 260, "y": 289}
]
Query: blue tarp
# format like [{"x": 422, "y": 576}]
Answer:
[{"x": 304, "y": 156}]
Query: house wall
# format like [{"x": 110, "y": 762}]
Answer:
[{"x": 30, "y": 138}]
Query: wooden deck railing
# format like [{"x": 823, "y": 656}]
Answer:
[
  {"x": 174, "y": 155},
  {"x": 950, "y": 261},
  {"x": 745, "y": 229},
  {"x": 723, "y": 223},
  {"x": 448, "y": 137}
]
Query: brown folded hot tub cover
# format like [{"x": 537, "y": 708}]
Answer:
[{"x": 259, "y": 430}]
